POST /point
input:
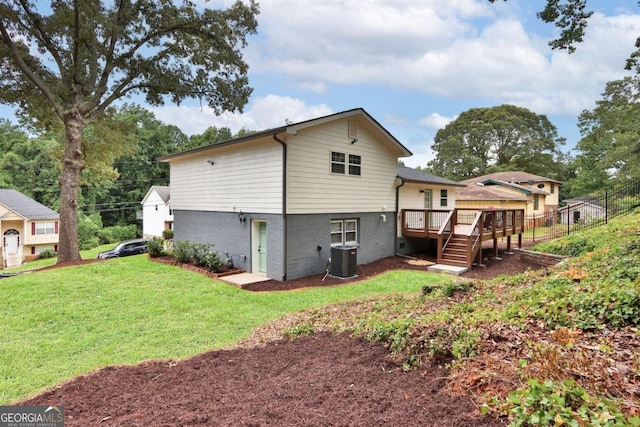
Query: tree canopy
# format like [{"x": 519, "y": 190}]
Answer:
[
  {"x": 610, "y": 144},
  {"x": 63, "y": 64},
  {"x": 483, "y": 140}
]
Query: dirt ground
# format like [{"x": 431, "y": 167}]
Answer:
[{"x": 322, "y": 380}]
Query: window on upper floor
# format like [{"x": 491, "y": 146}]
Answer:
[
  {"x": 338, "y": 161},
  {"x": 48, "y": 227},
  {"x": 536, "y": 202},
  {"x": 355, "y": 163},
  {"x": 553, "y": 188},
  {"x": 339, "y": 164}
]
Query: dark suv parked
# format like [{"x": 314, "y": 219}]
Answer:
[{"x": 129, "y": 247}]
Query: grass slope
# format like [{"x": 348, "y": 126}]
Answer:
[
  {"x": 60, "y": 323},
  {"x": 559, "y": 346}
]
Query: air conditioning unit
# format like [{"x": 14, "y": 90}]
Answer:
[{"x": 344, "y": 260}]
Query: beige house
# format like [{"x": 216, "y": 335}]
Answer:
[
  {"x": 27, "y": 228},
  {"x": 507, "y": 190},
  {"x": 288, "y": 202}
]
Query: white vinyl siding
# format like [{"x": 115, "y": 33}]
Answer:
[
  {"x": 155, "y": 213},
  {"x": 313, "y": 188},
  {"x": 243, "y": 177}
]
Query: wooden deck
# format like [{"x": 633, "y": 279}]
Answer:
[{"x": 459, "y": 233}]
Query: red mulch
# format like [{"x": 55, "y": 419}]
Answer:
[
  {"x": 322, "y": 380},
  {"x": 510, "y": 263}
]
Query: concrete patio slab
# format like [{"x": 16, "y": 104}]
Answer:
[
  {"x": 449, "y": 269},
  {"x": 242, "y": 279}
]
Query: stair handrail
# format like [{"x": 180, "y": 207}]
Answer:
[
  {"x": 476, "y": 231},
  {"x": 447, "y": 222}
]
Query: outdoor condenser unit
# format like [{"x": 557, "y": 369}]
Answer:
[{"x": 344, "y": 260}]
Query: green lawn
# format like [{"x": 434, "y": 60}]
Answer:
[{"x": 60, "y": 323}]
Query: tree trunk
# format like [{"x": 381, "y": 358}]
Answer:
[{"x": 72, "y": 165}]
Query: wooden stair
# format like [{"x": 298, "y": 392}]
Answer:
[{"x": 455, "y": 253}]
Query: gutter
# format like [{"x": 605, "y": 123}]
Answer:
[
  {"x": 395, "y": 219},
  {"x": 284, "y": 202}
]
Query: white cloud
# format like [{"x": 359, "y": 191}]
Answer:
[
  {"x": 263, "y": 113},
  {"x": 464, "y": 49},
  {"x": 436, "y": 121}
]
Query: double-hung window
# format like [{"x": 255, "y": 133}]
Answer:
[
  {"x": 444, "y": 198},
  {"x": 44, "y": 228},
  {"x": 344, "y": 232},
  {"x": 355, "y": 163},
  {"x": 342, "y": 163},
  {"x": 338, "y": 161}
]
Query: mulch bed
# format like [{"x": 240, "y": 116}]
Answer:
[
  {"x": 322, "y": 380},
  {"x": 509, "y": 263}
]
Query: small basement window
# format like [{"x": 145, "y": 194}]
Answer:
[{"x": 344, "y": 232}]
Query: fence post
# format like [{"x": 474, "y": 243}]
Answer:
[{"x": 606, "y": 207}]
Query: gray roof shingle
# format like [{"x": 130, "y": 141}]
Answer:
[
  {"x": 414, "y": 175},
  {"x": 26, "y": 206}
]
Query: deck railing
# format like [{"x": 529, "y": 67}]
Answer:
[
  {"x": 473, "y": 225},
  {"x": 423, "y": 222}
]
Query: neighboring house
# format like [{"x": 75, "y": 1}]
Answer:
[
  {"x": 279, "y": 202},
  {"x": 581, "y": 210},
  {"x": 157, "y": 214},
  {"x": 541, "y": 193},
  {"x": 27, "y": 228},
  {"x": 476, "y": 195},
  {"x": 419, "y": 191}
]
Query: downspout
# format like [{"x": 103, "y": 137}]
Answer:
[
  {"x": 395, "y": 218},
  {"x": 284, "y": 202}
]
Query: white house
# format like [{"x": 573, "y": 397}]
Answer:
[{"x": 157, "y": 214}]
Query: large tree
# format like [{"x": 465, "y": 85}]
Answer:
[
  {"x": 610, "y": 147},
  {"x": 63, "y": 64},
  {"x": 483, "y": 140}
]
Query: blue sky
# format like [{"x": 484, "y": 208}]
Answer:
[{"x": 415, "y": 65}]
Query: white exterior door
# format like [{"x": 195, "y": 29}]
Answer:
[
  {"x": 259, "y": 263},
  {"x": 11, "y": 241}
]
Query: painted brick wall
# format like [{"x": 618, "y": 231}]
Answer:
[
  {"x": 306, "y": 232},
  {"x": 228, "y": 235}
]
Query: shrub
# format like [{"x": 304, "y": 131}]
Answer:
[
  {"x": 183, "y": 251},
  {"x": 117, "y": 233},
  {"x": 88, "y": 228},
  {"x": 47, "y": 253},
  {"x": 156, "y": 247},
  {"x": 197, "y": 253},
  {"x": 167, "y": 234},
  {"x": 203, "y": 256}
]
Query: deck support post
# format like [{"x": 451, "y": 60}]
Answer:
[
  {"x": 496, "y": 254},
  {"x": 509, "y": 245}
]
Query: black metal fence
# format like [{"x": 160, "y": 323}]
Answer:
[{"x": 583, "y": 212}]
